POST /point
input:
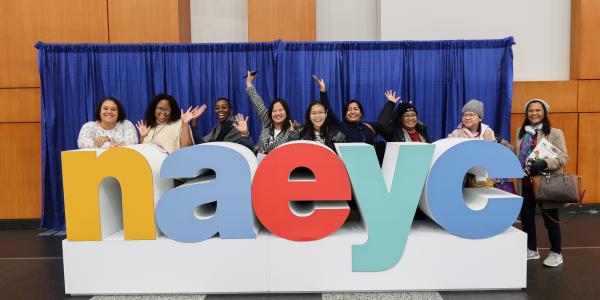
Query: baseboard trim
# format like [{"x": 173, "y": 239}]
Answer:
[{"x": 20, "y": 224}]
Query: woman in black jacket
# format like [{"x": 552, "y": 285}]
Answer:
[
  {"x": 402, "y": 124},
  {"x": 319, "y": 128},
  {"x": 352, "y": 126}
]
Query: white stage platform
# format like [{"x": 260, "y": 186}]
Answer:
[{"x": 433, "y": 260}]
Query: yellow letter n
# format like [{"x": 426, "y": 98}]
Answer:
[{"x": 83, "y": 175}]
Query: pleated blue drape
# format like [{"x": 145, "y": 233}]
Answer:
[{"x": 438, "y": 76}]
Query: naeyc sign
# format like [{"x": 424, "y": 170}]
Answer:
[{"x": 413, "y": 174}]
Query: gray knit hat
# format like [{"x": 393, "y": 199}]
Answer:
[
  {"x": 540, "y": 101},
  {"x": 475, "y": 106}
]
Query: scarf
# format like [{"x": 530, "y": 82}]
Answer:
[
  {"x": 464, "y": 132},
  {"x": 526, "y": 143},
  {"x": 407, "y": 136}
]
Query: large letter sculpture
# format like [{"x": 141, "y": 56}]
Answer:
[
  {"x": 493, "y": 210},
  {"x": 387, "y": 198},
  {"x": 272, "y": 191},
  {"x": 179, "y": 211}
]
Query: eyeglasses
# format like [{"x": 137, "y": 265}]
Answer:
[
  {"x": 409, "y": 116},
  {"x": 317, "y": 113},
  {"x": 469, "y": 115},
  {"x": 163, "y": 110}
]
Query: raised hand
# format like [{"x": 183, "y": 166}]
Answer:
[
  {"x": 192, "y": 113},
  {"x": 188, "y": 115},
  {"x": 142, "y": 129},
  {"x": 100, "y": 140},
  {"x": 201, "y": 110},
  {"x": 391, "y": 96},
  {"x": 320, "y": 82},
  {"x": 241, "y": 124},
  {"x": 250, "y": 78}
]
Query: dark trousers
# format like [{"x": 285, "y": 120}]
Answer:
[{"x": 528, "y": 222}]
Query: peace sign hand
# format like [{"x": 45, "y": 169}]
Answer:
[{"x": 294, "y": 126}]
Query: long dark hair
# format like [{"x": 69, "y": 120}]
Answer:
[
  {"x": 120, "y": 109},
  {"x": 286, "y": 123},
  {"x": 545, "y": 121},
  {"x": 308, "y": 130},
  {"x": 150, "y": 116},
  {"x": 347, "y": 105}
]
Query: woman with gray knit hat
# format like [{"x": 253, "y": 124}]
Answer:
[
  {"x": 536, "y": 127},
  {"x": 472, "y": 126}
]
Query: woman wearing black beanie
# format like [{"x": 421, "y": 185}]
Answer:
[{"x": 401, "y": 125}]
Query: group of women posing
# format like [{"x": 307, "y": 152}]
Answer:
[{"x": 168, "y": 127}]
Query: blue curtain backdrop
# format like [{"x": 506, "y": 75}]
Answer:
[{"x": 438, "y": 76}]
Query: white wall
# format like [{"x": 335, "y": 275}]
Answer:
[
  {"x": 347, "y": 20},
  {"x": 541, "y": 28},
  {"x": 219, "y": 21}
]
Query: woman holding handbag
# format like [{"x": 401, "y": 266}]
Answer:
[{"x": 536, "y": 127}]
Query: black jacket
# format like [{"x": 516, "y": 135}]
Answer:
[
  {"x": 355, "y": 132},
  {"x": 390, "y": 128}
]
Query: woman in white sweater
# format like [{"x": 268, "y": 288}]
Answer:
[{"x": 110, "y": 127}]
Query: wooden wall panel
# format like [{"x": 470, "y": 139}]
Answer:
[
  {"x": 560, "y": 95},
  {"x": 567, "y": 122},
  {"x": 589, "y": 163},
  {"x": 588, "y": 99},
  {"x": 575, "y": 61},
  {"x": 185, "y": 21},
  {"x": 290, "y": 20},
  {"x": 585, "y": 45},
  {"x": 149, "y": 21},
  {"x": 20, "y": 171},
  {"x": 23, "y": 22},
  {"x": 20, "y": 105}
]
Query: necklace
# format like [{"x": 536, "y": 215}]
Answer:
[{"x": 157, "y": 130}]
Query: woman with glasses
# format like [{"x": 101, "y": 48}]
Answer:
[
  {"x": 401, "y": 125},
  {"x": 318, "y": 126},
  {"x": 109, "y": 129},
  {"x": 352, "y": 126},
  {"x": 472, "y": 126},
  {"x": 276, "y": 121},
  {"x": 165, "y": 126}
]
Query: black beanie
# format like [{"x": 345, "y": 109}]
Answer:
[{"x": 404, "y": 107}]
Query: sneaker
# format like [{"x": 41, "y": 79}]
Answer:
[
  {"x": 553, "y": 260},
  {"x": 532, "y": 254}
]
